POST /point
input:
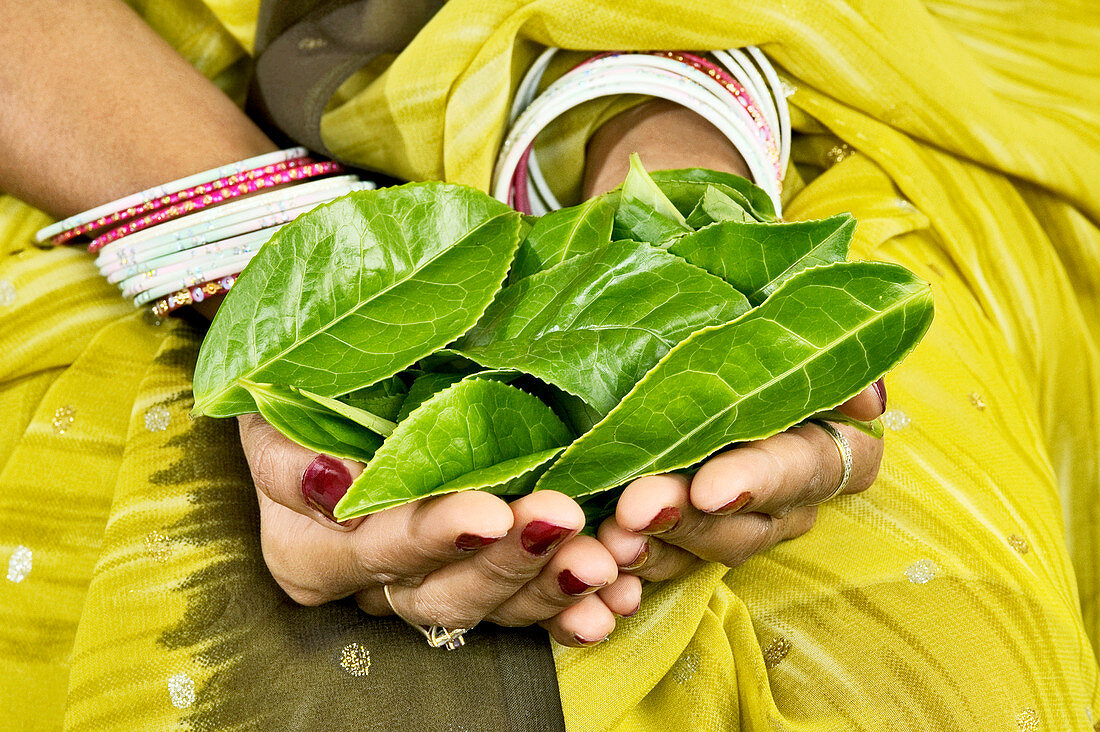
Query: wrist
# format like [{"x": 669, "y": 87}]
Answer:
[{"x": 665, "y": 135}]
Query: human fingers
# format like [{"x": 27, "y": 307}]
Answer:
[
  {"x": 645, "y": 557},
  {"x": 463, "y": 593},
  {"x": 587, "y": 623},
  {"x": 623, "y": 596},
  {"x": 399, "y": 545},
  {"x": 800, "y": 467},
  {"x": 659, "y": 506},
  {"x": 868, "y": 404},
  {"x": 296, "y": 477},
  {"x": 579, "y": 568}
]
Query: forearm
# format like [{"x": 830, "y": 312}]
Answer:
[
  {"x": 95, "y": 105},
  {"x": 665, "y": 136}
]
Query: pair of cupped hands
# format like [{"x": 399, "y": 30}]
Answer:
[
  {"x": 460, "y": 559},
  {"x": 463, "y": 558}
]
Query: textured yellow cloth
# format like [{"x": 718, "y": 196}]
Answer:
[{"x": 959, "y": 593}]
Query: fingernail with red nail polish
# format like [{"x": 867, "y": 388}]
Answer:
[
  {"x": 586, "y": 642},
  {"x": 639, "y": 559},
  {"x": 570, "y": 584},
  {"x": 733, "y": 506},
  {"x": 324, "y": 483},
  {"x": 880, "y": 389},
  {"x": 664, "y": 521},
  {"x": 473, "y": 542},
  {"x": 539, "y": 537}
]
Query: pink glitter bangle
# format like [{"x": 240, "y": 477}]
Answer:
[
  {"x": 173, "y": 198},
  {"x": 304, "y": 172},
  {"x": 192, "y": 295}
]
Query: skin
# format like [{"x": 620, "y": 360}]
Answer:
[{"x": 75, "y": 132}]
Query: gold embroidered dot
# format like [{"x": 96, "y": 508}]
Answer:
[
  {"x": 685, "y": 668},
  {"x": 977, "y": 402},
  {"x": 838, "y": 153},
  {"x": 921, "y": 571},
  {"x": 7, "y": 294},
  {"x": 776, "y": 651},
  {"x": 355, "y": 659},
  {"x": 63, "y": 419},
  {"x": 157, "y": 418},
  {"x": 1027, "y": 720},
  {"x": 181, "y": 690},
  {"x": 19, "y": 564},
  {"x": 158, "y": 546},
  {"x": 311, "y": 44},
  {"x": 895, "y": 419},
  {"x": 1019, "y": 543}
]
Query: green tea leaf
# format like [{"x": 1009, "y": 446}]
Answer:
[
  {"x": 478, "y": 433},
  {"x": 426, "y": 386},
  {"x": 720, "y": 207},
  {"x": 356, "y": 290},
  {"x": 645, "y": 213},
  {"x": 685, "y": 187},
  {"x": 311, "y": 425},
  {"x": 818, "y": 340},
  {"x": 384, "y": 398},
  {"x": 594, "y": 324},
  {"x": 565, "y": 233},
  {"x": 756, "y": 258},
  {"x": 371, "y": 421}
]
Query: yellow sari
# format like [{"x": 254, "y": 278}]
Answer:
[{"x": 959, "y": 593}]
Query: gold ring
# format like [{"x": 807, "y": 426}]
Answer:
[
  {"x": 437, "y": 635},
  {"x": 845, "y": 451}
]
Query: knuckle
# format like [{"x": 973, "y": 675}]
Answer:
[
  {"x": 264, "y": 462},
  {"x": 441, "y": 610},
  {"x": 508, "y": 575},
  {"x": 756, "y": 537}
]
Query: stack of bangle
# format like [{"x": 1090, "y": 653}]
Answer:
[
  {"x": 182, "y": 242},
  {"x": 738, "y": 91}
]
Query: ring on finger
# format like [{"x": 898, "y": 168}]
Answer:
[
  {"x": 845, "y": 450},
  {"x": 437, "y": 635}
]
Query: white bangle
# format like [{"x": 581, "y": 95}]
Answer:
[
  {"x": 542, "y": 198},
  {"x": 618, "y": 75},
  {"x": 230, "y": 268},
  {"x": 214, "y": 239}
]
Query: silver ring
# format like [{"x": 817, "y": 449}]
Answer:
[
  {"x": 437, "y": 635},
  {"x": 845, "y": 450}
]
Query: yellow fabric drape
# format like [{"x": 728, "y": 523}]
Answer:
[{"x": 960, "y": 592}]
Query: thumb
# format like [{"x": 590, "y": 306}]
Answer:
[{"x": 300, "y": 479}]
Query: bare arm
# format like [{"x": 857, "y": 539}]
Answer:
[{"x": 94, "y": 105}]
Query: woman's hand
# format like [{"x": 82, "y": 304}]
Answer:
[
  {"x": 741, "y": 501},
  {"x": 755, "y": 495},
  {"x": 454, "y": 560}
]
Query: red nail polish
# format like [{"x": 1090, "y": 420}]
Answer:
[
  {"x": 880, "y": 389},
  {"x": 539, "y": 537},
  {"x": 570, "y": 584},
  {"x": 733, "y": 506},
  {"x": 665, "y": 520},
  {"x": 473, "y": 542},
  {"x": 324, "y": 483},
  {"x": 586, "y": 642},
  {"x": 639, "y": 559}
]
